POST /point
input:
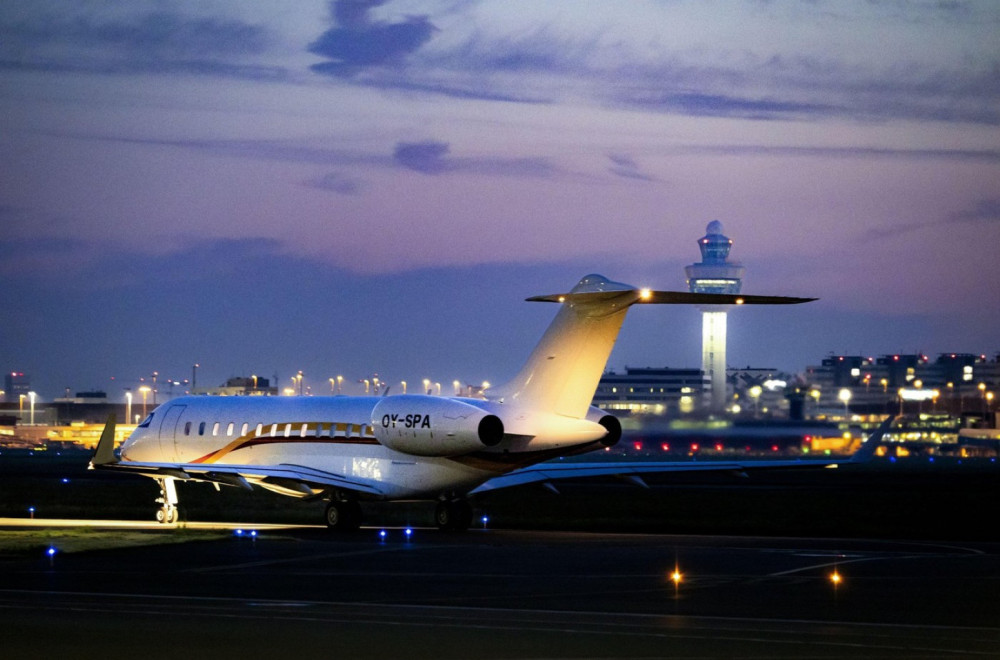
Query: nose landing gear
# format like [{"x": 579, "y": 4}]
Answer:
[{"x": 167, "y": 514}]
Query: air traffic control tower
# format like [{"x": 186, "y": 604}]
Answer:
[{"x": 714, "y": 274}]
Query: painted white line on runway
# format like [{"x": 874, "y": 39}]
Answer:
[{"x": 144, "y": 525}]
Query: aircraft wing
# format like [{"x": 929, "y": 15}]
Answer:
[
  {"x": 633, "y": 470},
  {"x": 288, "y": 478},
  {"x": 299, "y": 479}
]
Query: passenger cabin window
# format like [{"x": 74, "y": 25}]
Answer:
[
  {"x": 288, "y": 430},
  {"x": 229, "y": 429},
  {"x": 302, "y": 433},
  {"x": 260, "y": 430},
  {"x": 187, "y": 428},
  {"x": 201, "y": 429},
  {"x": 274, "y": 430},
  {"x": 215, "y": 429},
  {"x": 243, "y": 431}
]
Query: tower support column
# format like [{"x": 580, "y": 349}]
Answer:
[{"x": 713, "y": 356}]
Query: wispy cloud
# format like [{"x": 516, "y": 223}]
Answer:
[
  {"x": 626, "y": 167},
  {"x": 133, "y": 39},
  {"x": 985, "y": 212},
  {"x": 620, "y": 60},
  {"x": 987, "y": 155},
  {"x": 336, "y": 182},
  {"x": 432, "y": 157}
]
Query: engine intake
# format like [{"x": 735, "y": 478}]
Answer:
[{"x": 433, "y": 426}]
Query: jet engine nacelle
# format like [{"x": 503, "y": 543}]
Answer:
[{"x": 433, "y": 426}]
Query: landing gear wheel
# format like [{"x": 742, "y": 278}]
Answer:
[
  {"x": 455, "y": 515},
  {"x": 343, "y": 516},
  {"x": 166, "y": 515}
]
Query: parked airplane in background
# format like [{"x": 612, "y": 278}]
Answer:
[{"x": 415, "y": 447}]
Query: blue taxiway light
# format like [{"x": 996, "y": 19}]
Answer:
[
  {"x": 408, "y": 531},
  {"x": 382, "y": 534},
  {"x": 51, "y": 552}
]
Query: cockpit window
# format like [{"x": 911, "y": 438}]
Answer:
[{"x": 145, "y": 422}]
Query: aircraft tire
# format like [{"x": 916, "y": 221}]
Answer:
[
  {"x": 454, "y": 516},
  {"x": 166, "y": 515},
  {"x": 343, "y": 516}
]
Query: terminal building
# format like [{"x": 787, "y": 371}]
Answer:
[
  {"x": 651, "y": 391},
  {"x": 957, "y": 383}
]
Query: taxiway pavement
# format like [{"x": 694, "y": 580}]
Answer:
[{"x": 505, "y": 594}]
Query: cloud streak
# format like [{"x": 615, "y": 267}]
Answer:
[
  {"x": 984, "y": 212},
  {"x": 157, "y": 40}
]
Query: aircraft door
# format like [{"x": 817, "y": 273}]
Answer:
[{"x": 168, "y": 432}]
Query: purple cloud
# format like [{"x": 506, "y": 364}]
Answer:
[{"x": 359, "y": 42}]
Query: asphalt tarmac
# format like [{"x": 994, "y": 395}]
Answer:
[{"x": 505, "y": 594}]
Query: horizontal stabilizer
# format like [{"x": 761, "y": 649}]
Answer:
[{"x": 647, "y": 297}]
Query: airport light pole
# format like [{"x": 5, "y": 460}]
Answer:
[
  {"x": 754, "y": 393},
  {"x": 845, "y": 396},
  {"x": 31, "y": 398},
  {"x": 128, "y": 407},
  {"x": 145, "y": 391}
]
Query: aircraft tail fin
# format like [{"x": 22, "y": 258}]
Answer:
[
  {"x": 868, "y": 448},
  {"x": 562, "y": 372}
]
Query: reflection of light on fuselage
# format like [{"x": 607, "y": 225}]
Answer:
[{"x": 367, "y": 468}]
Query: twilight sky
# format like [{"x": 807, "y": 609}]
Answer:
[{"x": 364, "y": 187}]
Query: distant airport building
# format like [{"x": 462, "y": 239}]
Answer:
[
  {"x": 714, "y": 274},
  {"x": 241, "y": 386},
  {"x": 16, "y": 385},
  {"x": 959, "y": 383},
  {"x": 651, "y": 391}
]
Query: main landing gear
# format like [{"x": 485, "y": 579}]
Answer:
[
  {"x": 453, "y": 515},
  {"x": 343, "y": 513},
  {"x": 167, "y": 513}
]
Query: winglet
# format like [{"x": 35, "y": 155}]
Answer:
[
  {"x": 105, "y": 452},
  {"x": 868, "y": 447}
]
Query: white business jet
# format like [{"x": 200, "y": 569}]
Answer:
[{"x": 415, "y": 447}]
